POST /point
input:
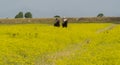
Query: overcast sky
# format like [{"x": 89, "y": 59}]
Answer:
[{"x": 68, "y": 8}]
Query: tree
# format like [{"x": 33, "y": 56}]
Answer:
[
  {"x": 57, "y": 16},
  {"x": 19, "y": 15},
  {"x": 100, "y": 15},
  {"x": 28, "y": 15}
]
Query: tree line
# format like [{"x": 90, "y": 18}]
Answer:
[
  {"x": 99, "y": 15},
  {"x": 22, "y": 15},
  {"x": 29, "y": 15}
]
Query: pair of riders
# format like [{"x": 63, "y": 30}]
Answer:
[{"x": 64, "y": 23}]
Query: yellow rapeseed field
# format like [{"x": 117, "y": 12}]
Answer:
[{"x": 44, "y": 44}]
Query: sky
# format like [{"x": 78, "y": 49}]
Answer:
[{"x": 67, "y": 8}]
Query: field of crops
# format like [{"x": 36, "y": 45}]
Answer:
[{"x": 43, "y": 44}]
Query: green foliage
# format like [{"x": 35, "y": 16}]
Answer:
[
  {"x": 28, "y": 15},
  {"x": 19, "y": 15},
  {"x": 100, "y": 15},
  {"x": 57, "y": 16}
]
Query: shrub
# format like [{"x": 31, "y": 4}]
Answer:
[
  {"x": 100, "y": 15},
  {"x": 28, "y": 15},
  {"x": 19, "y": 15},
  {"x": 57, "y": 16}
]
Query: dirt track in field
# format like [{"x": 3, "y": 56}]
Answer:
[{"x": 50, "y": 59}]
